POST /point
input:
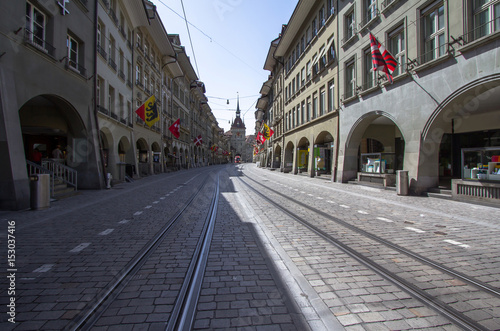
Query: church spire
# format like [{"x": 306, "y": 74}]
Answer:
[{"x": 238, "y": 106}]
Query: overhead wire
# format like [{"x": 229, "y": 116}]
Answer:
[
  {"x": 190, "y": 40},
  {"x": 211, "y": 39}
]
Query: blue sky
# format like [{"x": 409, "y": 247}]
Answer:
[{"x": 231, "y": 48}]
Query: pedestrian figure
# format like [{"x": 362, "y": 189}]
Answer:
[
  {"x": 57, "y": 153},
  {"x": 37, "y": 156}
]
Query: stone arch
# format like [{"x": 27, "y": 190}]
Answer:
[{"x": 378, "y": 126}]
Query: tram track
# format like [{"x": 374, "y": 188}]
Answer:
[
  {"x": 454, "y": 315},
  {"x": 183, "y": 315}
]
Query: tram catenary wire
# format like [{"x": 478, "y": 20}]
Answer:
[
  {"x": 457, "y": 317},
  {"x": 91, "y": 315}
]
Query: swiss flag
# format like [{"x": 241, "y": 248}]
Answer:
[
  {"x": 174, "y": 128},
  {"x": 260, "y": 138},
  {"x": 198, "y": 141}
]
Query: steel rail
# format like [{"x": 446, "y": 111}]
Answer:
[
  {"x": 452, "y": 314},
  {"x": 183, "y": 314},
  {"x": 90, "y": 317}
]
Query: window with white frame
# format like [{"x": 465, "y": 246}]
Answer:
[
  {"x": 308, "y": 70},
  {"x": 111, "y": 99},
  {"x": 331, "y": 95},
  {"x": 369, "y": 11},
  {"x": 308, "y": 116},
  {"x": 350, "y": 79},
  {"x": 397, "y": 48},
  {"x": 315, "y": 105},
  {"x": 100, "y": 91},
  {"x": 72, "y": 45},
  {"x": 350, "y": 25},
  {"x": 302, "y": 76},
  {"x": 314, "y": 29},
  {"x": 138, "y": 74},
  {"x": 36, "y": 23},
  {"x": 297, "y": 81},
  {"x": 486, "y": 17},
  {"x": 433, "y": 30},
  {"x": 322, "y": 101},
  {"x": 369, "y": 75},
  {"x": 100, "y": 38},
  {"x": 303, "y": 112}
]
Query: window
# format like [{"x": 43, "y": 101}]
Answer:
[
  {"x": 111, "y": 52},
  {"x": 72, "y": 45},
  {"x": 321, "y": 17},
  {"x": 100, "y": 39},
  {"x": 36, "y": 23},
  {"x": 313, "y": 28},
  {"x": 350, "y": 79},
  {"x": 369, "y": 75},
  {"x": 138, "y": 74},
  {"x": 308, "y": 35},
  {"x": 302, "y": 76},
  {"x": 297, "y": 81},
  {"x": 298, "y": 114},
  {"x": 433, "y": 26},
  {"x": 486, "y": 17},
  {"x": 331, "y": 95},
  {"x": 397, "y": 48},
  {"x": 330, "y": 7},
  {"x": 322, "y": 100},
  {"x": 350, "y": 25},
  {"x": 331, "y": 49},
  {"x": 100, "y": 91},
  {"x": 139, "y": 40},
  {"x": 308, "y": 70},
  {"x": 303, "y": 112},
  {"x": 111, "y": 99},
  {"x": 370, "y": 11},
  {"x": 315, "y": 106},
  {"x": 308, "y": 117}
]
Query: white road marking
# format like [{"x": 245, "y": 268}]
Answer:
[
  {"x": 124, "y": 221},
  {"x": 457, "y": 243},
  {"x": 137, "y": 213},
  {"x": 320, "y": 198},
  {"x": 44, "y": 268},
  {"x": 330, "y": 201},
  {"x": 106, "y": 232},
  {"x": 80, "y": 248},
  {"x": 147, "y": 207},
  {"x": 154, "y": 202},
  {"x": 162, "y": 198},
  {"x": 309, "y": 194},
  {"x": 344, "y": 206},
  {"x": 414, "y": 229},
  {"x": 385, "y": 219},
  {"x": 363, "y": 212}
]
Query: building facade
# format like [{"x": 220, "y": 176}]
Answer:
[
  {"x": 437, "y": 119},
  {"x": 46, "y": 92},
  {"x": 73, "y": 73},
  {"x": 299, "y": 101}
]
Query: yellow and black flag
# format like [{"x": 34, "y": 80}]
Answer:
[
  {"x": 148, "y": 112},
  {"x": 267, "y": 132}
]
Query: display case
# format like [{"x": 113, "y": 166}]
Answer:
[
  {"x": 481, "y": 163},
  {"x": 379, "y": 163}
]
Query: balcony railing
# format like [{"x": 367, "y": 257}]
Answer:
[
  {"x": 480, "y": 31},
  {"x": 432, "y": 54},
  {"x": 113, "y": 16},
  {"x": 39, "y": 43},
  {"x": 113, "y": 116},
  {"x": 73, "y": 65},
  {"x": 102, "y": 52},
  {"x": 369, "y": 17},
  {"x": 121, "y": 74},
  {"x": 102, "y": 110},
  {"x": 112, "y": 63}
]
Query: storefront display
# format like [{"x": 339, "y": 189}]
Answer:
[
  {"x": 379, "y": 163},
  {"x": 481, "y": 163}
]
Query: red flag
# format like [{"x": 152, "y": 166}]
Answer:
[
  {"x": 260, "y": 138},
  {"x": 382, "y": 59},
  {"x": 174, "y": 128},
  {"x": 198, "y": 141}
]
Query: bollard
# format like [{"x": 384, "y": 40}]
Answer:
[
  {"x": 40, "y": 191},
  {"x": 402, "y": 182},
  {"x": 108, "y": 180}
]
